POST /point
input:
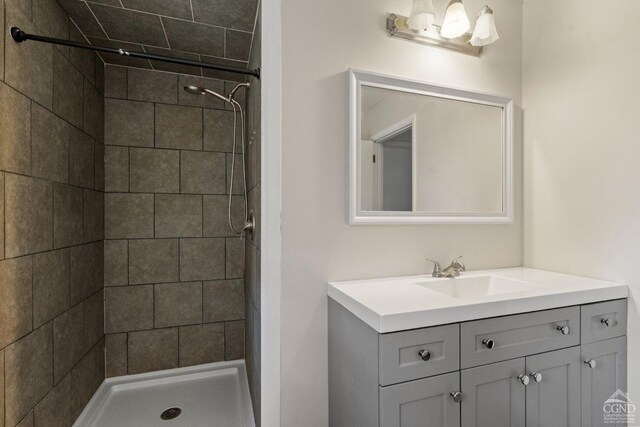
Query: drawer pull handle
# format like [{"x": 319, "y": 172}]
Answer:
[
  {"x": 457, "y": 396},
  {"x": 424, "y": 355},
  {"x": 607, "y": 322},
  {"x": 536, "y": 376},
  {"x": 489, "y": 343},
  {"x": 524, "y": 379},
  {"x": 564, "y": 329},
  {"x": 591, "y": 363}
]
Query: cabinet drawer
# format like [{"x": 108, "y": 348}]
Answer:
[
  {"x": 603, "y": 320},
  {"x": 501, "y": 338},
  {"x": 400, "y": 353}
]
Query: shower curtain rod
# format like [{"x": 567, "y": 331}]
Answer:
[{"x": 20, "y": 36}]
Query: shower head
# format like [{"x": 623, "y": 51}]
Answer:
[
  {"x": 194, "y": 90},
  {"x": 197, "y": 90}
]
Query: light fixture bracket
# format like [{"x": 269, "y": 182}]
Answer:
[{"x": 397, "y": 27}]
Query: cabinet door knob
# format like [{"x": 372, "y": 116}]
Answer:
[
  {"x": 489, "y": 343},
  {"x": 591, "y": 363},
  {"x": 524, "y": 379},
  {"x": 457, "y": 396},
  {"x": 536, "y": 376},
  {"x": 564, "y": 329},
  {"x": 607, "y": 322},
  {"x": 424, "y": 355}
]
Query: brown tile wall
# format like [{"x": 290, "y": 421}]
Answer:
[
  {"x": 51, "y": 215},
  {"x": 174, "y": 293},
  {"x": 252, "y": 257}
]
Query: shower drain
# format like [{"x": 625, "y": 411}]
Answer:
[{"x": 171, "y": 413}]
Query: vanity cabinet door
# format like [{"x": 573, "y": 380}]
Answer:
[
  {"x": 421, "y": 403},
  {"x": 553, "y": 393},
  {"x": 604, "y": 372},
  {"x": 493, "y": 395}
]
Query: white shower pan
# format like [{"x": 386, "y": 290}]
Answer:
[{"x": 212, "y": 395}]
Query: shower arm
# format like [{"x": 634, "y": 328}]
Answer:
[
  {"x": 20, "y": 36},
  {"x": 235, "y": 89}
]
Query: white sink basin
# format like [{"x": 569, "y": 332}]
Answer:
[{"x": 477, "y": 286}]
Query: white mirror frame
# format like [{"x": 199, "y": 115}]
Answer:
[{"x": 358, "y": 79}]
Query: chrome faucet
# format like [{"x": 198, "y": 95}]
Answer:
[{"x": 453, "y": 270}]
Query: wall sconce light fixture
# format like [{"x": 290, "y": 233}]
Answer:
[
  {"x": 454, "y": 33},
  {"x": 455, "y": 22},
  {"x": 422, "y": 15},
  {"x": 485, "y": 32}
]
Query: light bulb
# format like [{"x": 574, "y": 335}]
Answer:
[
  {"x": 456, "y": 22},
  {"x": 422, "y": 15},
  {"x": 485, "y": 32}
]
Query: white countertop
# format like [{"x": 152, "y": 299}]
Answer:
[{"x": 400, "y": 303}]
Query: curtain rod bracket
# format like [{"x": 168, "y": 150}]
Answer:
[{"x": 20, "y": 36}]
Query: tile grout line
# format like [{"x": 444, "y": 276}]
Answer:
[
  {"x": 166, "y": 37},
  {"x": 53, "y": 355},
  {"x": 4, "y": 49},
  {"x": 4, "y": 381},
  {"x": 128, "y": 252},
  {"x": 97, "y": 20},
  {"x": 255, "y": 27},
  {"x": 49, "y": 110},
  {"x": 127, "y": 353},
  {"x": 153, "y": 306},
  {"x": 163, "y": 16}
]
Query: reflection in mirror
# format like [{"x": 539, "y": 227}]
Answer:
[
  {"x": 430, "y": 154},
  {"x": 387, "y": 171},
  {"x": 424, "y": 154}
]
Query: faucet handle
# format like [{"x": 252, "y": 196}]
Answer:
[
  {"x": 457, "y": 261},
  {"x": 436, "y": 266}
]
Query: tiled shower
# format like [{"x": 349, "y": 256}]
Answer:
[
  {"x": 115, "y": 253},
  {"x": 174, "y": 293}
]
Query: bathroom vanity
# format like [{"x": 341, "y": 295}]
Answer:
[{"x": 502, "y": 348}]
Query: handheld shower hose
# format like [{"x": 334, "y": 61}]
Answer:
[{"x": 249, "y": 220}]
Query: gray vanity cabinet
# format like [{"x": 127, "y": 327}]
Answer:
[
  {"x": 493, "y": 396},
  {"x": 604, "y": 371},
  {"x": 553, "y": 393},
  {"x": 548, "y": 368},
  {"x": 421, "y": 403}
]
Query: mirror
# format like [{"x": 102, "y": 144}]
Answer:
[{"x": 428, "y": 154}]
